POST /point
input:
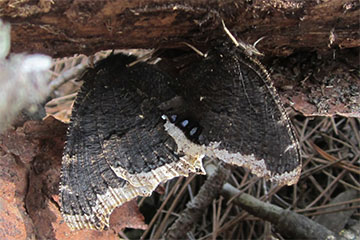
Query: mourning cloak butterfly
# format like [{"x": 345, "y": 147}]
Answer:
[{"x": 121, "y": 144}]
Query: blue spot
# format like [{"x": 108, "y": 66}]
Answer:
[
  {"x": 173, "y": 118},
  {"x": 184, "y": 123},
  {"x": 193, "y": 131}
]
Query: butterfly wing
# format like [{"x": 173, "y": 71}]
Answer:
[
  {"x": 243, "y": 120},
  {"x": 117, "y": 147}
]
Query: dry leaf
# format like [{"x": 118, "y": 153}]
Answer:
[{"x": 127, "y": 216}]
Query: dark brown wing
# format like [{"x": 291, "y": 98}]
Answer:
[
  {"x": 243, "y": 121},
  {"x": 117, "y": 147}
]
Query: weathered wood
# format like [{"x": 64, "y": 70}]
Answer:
[{"x": 65, "y": 27}]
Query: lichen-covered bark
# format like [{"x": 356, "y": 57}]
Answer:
[{"x": 64, "y": 27}]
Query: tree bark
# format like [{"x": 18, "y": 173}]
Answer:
[
  {"x": 65, "y": 27},
  {"x": 329, "y": 85}
]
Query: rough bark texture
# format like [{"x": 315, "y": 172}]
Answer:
[
  {"x": 65, "y": 27},
  {"x": 327, "y": 83}
]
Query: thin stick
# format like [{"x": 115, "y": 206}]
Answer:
[
  {"x": 195, "y": 209},
  {"x": 161, "y": 208},
  {"x": 328, "y": 205},
  {"x": 195, "y": 49},
  {"x": 288, "y": 223},
  {"x": 329, "y": 186},
  {"x": 173, "y": 205}
]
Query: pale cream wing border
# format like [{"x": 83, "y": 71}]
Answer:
[
  {"x": 104, "y": 206},
  {"x": 185, "y": 165},
  {"x": 256, "y": 167},
  {"x": 145, "y": 183}
]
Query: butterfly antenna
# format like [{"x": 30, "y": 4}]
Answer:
[
  {"x": 196, "y": 50},
  {"x": 249, "y": 49}
]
